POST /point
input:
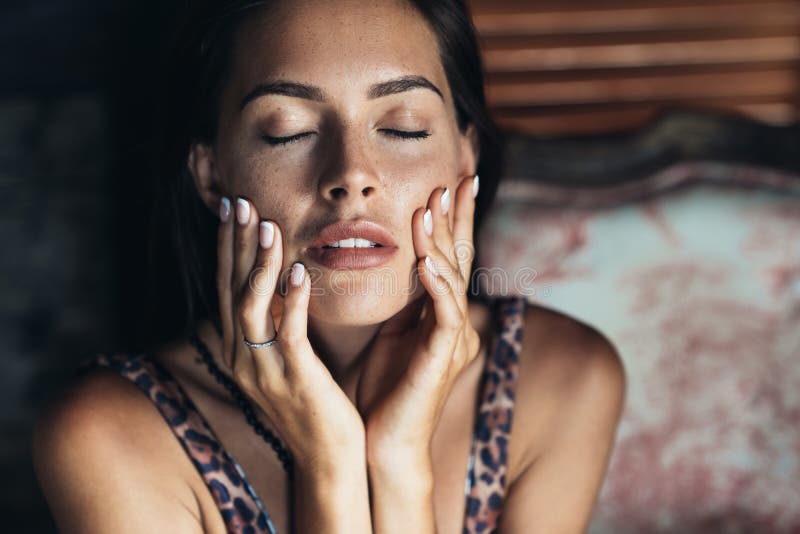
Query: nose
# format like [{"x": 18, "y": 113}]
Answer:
[{"x": 349, "y": 176}]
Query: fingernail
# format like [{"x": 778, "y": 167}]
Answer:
[
  {"x": 242, "y": 211},
  {"x": 445, "y": 200},
  {"x": 475, "y": 186},
  {"x": 429, "y": 265},
  {"x": 224, "y": 209},
  {"x": 267, "y": 234},
  {"x": 427, "y": 222},
  {"x": 298, "y": 270}
]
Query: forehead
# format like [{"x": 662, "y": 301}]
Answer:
[{"x": 343, "y": 46}]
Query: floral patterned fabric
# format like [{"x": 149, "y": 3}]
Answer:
[{"x": 698, "y": 286}]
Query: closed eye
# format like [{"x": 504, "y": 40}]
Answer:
[
  {"x": 417, "y": 135},
  {"x": 285, "y": 140},
  {"x": 402, "y": 134}
]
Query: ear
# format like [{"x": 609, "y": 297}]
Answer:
[
  {"x": 470, "y": 152},
  {"x": 202, "y": 166}
]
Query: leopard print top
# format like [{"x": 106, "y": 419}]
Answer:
[{"x": 241, "y": 508}]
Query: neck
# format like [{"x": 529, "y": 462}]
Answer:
[{"x": 341, "y": 348}]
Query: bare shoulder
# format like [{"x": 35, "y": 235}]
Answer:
[
  {"x": 569, "y": 372},
  {"x": 102, "y": 453}
]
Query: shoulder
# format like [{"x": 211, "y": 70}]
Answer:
[
  {"x": 570, "y": 373},
  {"x": 101, "y": 450},
  {"x": 569, "y": 397}
]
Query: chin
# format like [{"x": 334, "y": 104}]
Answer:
[{"x": 359, "y": 298}]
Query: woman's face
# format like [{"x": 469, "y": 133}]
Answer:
[{"x": 347, "y": 161}]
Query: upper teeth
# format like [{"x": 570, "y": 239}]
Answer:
[{"x": 353, "y": 242}]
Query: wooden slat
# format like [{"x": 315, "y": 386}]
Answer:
[
  {"x": 532, "y": 21},
  {"x": 582, "y": 66},
  {"x": 499, "y": 78},
  {"x": 780, "y": 83},
  {"x": 641, "y": 55},
  {"x": 565, "y": 40},
  {"x": 518, "y": 6},
  {"x": 607, "y": 119}
]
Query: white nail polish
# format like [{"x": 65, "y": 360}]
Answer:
[
  {"x": 298, "y": 270},
  {"x": 242, "y": 211},
  {"x": 427, "y": 222},
  {"x": 267, "y": 234},
  {"x": 475, "y": 186},
  {"x": 429, "y": 265},
  {"x": 445, "y": 200},
  {"x": 224, "y": 209}
]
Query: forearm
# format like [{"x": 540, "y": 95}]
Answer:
[
  {"x": 332, "y": 498},
  {"x": 401, "y": 489}
]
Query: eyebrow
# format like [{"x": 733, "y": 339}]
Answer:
[{"x": 310, "y": 92}]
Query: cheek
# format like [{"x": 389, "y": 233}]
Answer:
[
  {"x": 412, "y": 177},
  {"x": 277, "y": 196}
]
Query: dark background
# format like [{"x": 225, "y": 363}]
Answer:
[{"x": 77, "y": 91}]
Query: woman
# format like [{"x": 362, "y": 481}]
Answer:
[{"x": 340, "y": 380}]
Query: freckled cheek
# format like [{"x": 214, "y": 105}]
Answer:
[
  {"x": 418, "y": 177},
  {"x": 276, "y": 194}
]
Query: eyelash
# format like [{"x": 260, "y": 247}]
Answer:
[{"x": 414, "y": 136}]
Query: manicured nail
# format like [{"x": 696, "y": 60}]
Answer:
[
  {"x": 298, "y": 270},
  {"x": 429, "y": 265},
  {"x": 475, "y": 186},
  {"x": 445, "y": 200},
  {"x": 427, "y": 222},
  {"x": 224, "y": 209},
  {"x": 242, "y": 211},
  {"x": 267, "y": 234}
]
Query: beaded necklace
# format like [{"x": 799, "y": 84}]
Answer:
[{"x": 247, "y": 408}]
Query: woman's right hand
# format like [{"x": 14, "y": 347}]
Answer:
[{"x": 312, "y": 415}]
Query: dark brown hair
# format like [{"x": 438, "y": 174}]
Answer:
[{"x": 183, "y": 239}]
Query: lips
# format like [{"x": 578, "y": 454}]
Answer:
[
  {"x": 352, "y": 257},
  {"x": 346, "y": 229}
]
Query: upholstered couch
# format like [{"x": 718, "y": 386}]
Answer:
[{"x": 681, "y": 243}]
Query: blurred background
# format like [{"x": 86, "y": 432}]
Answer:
[{"x": 652, "y": 186}]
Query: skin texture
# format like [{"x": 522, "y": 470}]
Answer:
[
  {"x": 348, "y": 169},
  {"x": 296, "y": 185},
  {"x": 571, "y": 384},
  {"x": 347, "y": 162}
]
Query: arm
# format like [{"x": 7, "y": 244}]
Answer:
[
  {"x": 557, "y": 490},
  {"x": 334, "y": 496},
  {"x": 96, "y": 475},
  {"x": 402, "y": 494}
]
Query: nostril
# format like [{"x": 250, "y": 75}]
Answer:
[{"x": 367, "y": 190}]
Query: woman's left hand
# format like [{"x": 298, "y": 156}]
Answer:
[{"x": 403, "y": 406}]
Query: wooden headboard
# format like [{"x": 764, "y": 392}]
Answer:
[{"x": 581, "y": 66}]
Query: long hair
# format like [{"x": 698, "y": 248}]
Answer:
[{"x": 182, "y": 258}]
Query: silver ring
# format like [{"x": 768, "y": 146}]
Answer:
[{"x": 260, "y": 345}]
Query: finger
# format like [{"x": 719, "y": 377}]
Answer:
[
  {"x": 447, "y": 273},
  {"x": 223, "y": 277},
  {"x": 256, "y": 320},
  {"x": 245, "y": 243},
  {"x": 424, "y": 245},
  {"x": 439, "y": 205},
  {"x": 463, "y": 225},
  {"x": 293, "y": 334},
  {"x": 445, "y": 303},
  {"x": 422, "y": 232},
  {"x": 448, "y": 321}
]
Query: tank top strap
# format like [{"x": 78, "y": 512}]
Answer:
[
  {"x": 241, "y": 509},
  {"x": 486, "y": 478}
]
